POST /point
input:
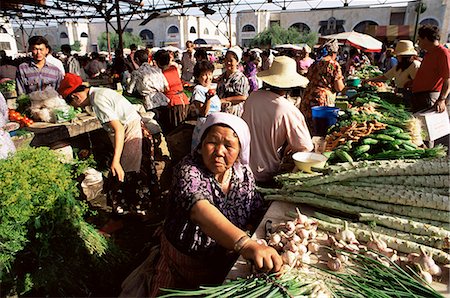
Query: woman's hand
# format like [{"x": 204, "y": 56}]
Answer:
[
  {"x": 264, "y": 257},
  {"x": 116, "y": 169}
]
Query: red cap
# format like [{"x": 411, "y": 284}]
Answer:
[{"x": 69, "y": 84}]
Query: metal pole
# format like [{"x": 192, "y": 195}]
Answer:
[
  {"x": 119, "y": 26},
  {"x": 418, "y": 12},
  {"x": 229, "y": 25},
  {"x": 108, "y": 40}
]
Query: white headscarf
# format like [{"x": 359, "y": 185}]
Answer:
[{"x": 239, "y": 126}]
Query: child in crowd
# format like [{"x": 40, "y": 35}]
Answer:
[
  {"x": 203, "y": 97},
  {"x": 250, "y": 69}
]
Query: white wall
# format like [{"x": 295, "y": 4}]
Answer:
[{"x": 8, "y": 38}]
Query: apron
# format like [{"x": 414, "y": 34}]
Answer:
[{"x": 132, "y": 147}]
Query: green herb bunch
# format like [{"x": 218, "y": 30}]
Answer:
[{"x": 43, "y": 235}]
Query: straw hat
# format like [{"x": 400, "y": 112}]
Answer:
[
  {"x": 405, "y": 48},
  {"x": 283, "y": 74}
]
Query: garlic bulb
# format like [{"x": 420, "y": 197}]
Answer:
[
  {"x": 346, "y": 235},
  {"x": 275, "y": 238},
  {"x": 301, "y": 218},
  {"x": 289, "y": 258},
  {"x": 313, "y": 247},
  {"x": 334, "y": 263}
]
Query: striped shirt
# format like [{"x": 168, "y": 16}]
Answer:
[{"x": 30, "y": 78}]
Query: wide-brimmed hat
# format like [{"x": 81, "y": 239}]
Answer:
[
  {"x": 283, "y": 74},
  {"x": 69, "y": 84},
  {"x": 405, "y": 48}
]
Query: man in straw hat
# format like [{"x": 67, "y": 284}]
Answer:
[
  {"x": 431, "y": 86},
  {"x": 277, "y": 127},
  {"x": 404, "y": 72}
]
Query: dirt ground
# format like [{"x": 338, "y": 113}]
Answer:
[{"x": 134, "y": 235}]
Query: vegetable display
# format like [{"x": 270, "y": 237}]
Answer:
[
  {"x": 15, "y": 116},
  {"x": 406, "y": 200}
]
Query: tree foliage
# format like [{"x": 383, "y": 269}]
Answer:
[
  {"x": 128, "y": 39},
  {"x": 278, "y": 35}
]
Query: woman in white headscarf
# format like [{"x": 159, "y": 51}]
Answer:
[
  {"x": 212, "y": 201},
  {"x": 6, "y": 145}
]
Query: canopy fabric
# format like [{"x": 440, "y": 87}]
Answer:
[
  {"x": 358, "y": 40},
  {"x": 288, "y": 46}
]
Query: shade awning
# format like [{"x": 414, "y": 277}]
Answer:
[
  {"x": 358, "y": 40},
  {"x": 207, "y": 41}
]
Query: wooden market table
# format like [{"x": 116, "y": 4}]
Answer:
[
  {"x": 277, "y": 213},
  {"x": 48, "y": 133}
]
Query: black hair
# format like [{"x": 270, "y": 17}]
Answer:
[
  {"x": 80, "y": 88},
  {"x": 251, "y": 55},
  {"x": 201, "y": 67},
  {"x": 37, "y": 40},
  {"x": 133, "y": 47},
  {"x": 200, "y": 54},
  {"x": 234, "y": 55},
  {"x": 162, "y": 58},
  {"x": 65, "y": 48},
  {"x": 141, "y": 56},
  {"x": 429, "y": 32},
  {"x": 94, "y": 55}
]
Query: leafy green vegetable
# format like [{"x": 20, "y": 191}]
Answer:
[
  {"x": 44, "y": 237},
  {"x": 8, "y": 86},
  {"x": 67, "y": 114}
]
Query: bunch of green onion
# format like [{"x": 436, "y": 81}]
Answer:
[
  {"x": 367, "y": 277},
  {"x": 289, "y": 284}
]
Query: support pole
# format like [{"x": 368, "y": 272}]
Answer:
[
  {"x": 230, "y": 34},
  {"x": 416, "y": 26},
  {"x": 108, "y": 41},
  {"x": 119, "y": 26}
]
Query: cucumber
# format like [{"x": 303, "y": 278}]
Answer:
[
  {"x": 397, "y": 142},
  {"x": 365, "y": 155},
  {"x": 409, "y": 143},
  {"x": 395, "y": 128},
  {"x": 408, "y": 147},
  {"x": 383, "y": 137},
  {"x": 327, "y": 154},
  {"x": 391, "y": 131},
  {"x": 403, "y": 136},
  {"x": 343, "y": 155},
  {"x": 361, "y": 149},
  {"x": 369, "y": 141}
]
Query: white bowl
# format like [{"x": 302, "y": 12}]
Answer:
[{"x": 305, "y": 160}]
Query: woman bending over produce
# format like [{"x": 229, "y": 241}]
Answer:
[
  {"x": 123, "y": 124},
  {"x": 325, "y": 79},
  {"x": 213, "y": 200},
  {"x": 405, "y": 71}
]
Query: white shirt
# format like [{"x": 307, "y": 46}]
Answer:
[
  {"x": 402, "y": 77},
  {"x": 109, "y": 105},
  {"x": 56, "y": 62}
]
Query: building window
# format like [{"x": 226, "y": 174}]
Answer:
[
  {"x": 5, "y": 46},
  {"x": 363, "y": 27},
  {"x": 331, "y": 26},
  {"x": 63, "y": 35},
  {"x": 301, "y": 27},
  {"x": 429, "y": 21},
  {"x": 172, "y": 30},
  {"x": 274, "y": 23},
  {"x": 248, "y": 28},
  {"x": 192, "y": 30},
  {"x": 129, "y": 30},
  {"x": 397, "y": 18},
  {"x": 146, "y": 35},
  {"x": 84, "y": 34},
  {"x": 246, "y": 42},
  {"x": 217, "y": 32},
  {"x": 206, "y": 31}
]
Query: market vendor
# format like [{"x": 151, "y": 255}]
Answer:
[
  {"x": 431, "y": 86},
  {"x": 212, "y": 201},
  {"x": 277, "y": 127},
  {"x": 123, "y": 124},
  {"x": 404, "y": 72},
  {"x": 325, "y": 79},
  {"x": 37, "y": 74},
  {"x": 233, "y": 86}
]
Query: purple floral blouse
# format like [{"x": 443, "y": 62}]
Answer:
[{"x": 193, "y": 182}]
